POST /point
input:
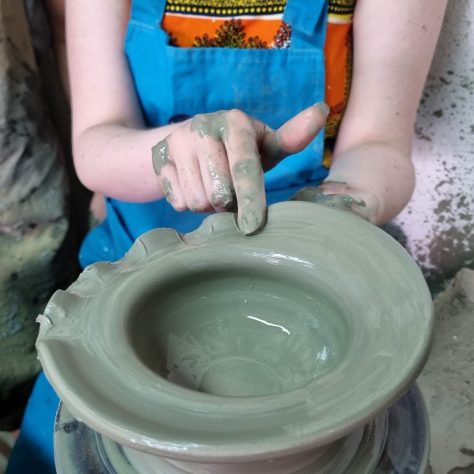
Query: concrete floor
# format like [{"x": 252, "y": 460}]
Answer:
[{"x": 447, "y": 381}]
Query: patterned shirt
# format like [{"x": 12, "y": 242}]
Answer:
[{"x": 259, "y": 24}]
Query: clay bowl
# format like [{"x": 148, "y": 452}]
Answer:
[{"x": 216, "y": 348}]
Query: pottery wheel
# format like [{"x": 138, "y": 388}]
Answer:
[{"x": 397, "y": 442}]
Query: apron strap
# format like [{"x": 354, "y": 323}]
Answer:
[
  {"x": 148, "y": 12},
  {"x": 307, "y": 19}
]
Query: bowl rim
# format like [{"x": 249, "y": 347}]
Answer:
[{"x": 59, "y": 353}]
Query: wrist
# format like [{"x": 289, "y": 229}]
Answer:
[{"x": 345, "y": 197}]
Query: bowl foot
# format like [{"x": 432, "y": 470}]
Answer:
[{"x": 396, "y": 442}]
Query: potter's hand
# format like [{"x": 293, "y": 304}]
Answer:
[
  {"x": 213, "y": 160},
  {"x": 341, "y": 196}
]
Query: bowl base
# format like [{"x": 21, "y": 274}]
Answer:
[{"x": 396, "y": 442}]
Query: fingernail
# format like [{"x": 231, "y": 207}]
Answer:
[
  {"x": 323, "y": 108},
  {"x": 251, "y": 223},
  {"x": 222, "y": 199}
]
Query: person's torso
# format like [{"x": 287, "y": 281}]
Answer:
[{"x": 269, "y": 83}]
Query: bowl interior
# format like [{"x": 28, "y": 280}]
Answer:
[{"x": 239, "y": 332}]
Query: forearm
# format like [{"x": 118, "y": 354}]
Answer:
[
  {"x": 393, "y": 47},
  {"x": 378, "y": 176},
  {"x": 111, "y": 145},
  {"x": 115, "y": 160}
]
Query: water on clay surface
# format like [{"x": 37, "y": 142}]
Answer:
[{"x": 235, "y": 334}]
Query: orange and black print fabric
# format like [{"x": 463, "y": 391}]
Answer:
[{"x": 227, "y": 23}]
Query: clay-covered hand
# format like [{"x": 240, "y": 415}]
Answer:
[
  {"x": 341, "y": 196},
  {"x": 216, "y": 161}
]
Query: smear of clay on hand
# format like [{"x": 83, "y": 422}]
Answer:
[
  {"x": 223, "y": 194},
  {"x": 210, "y": 125},
  {"x": 250, "y": 213},
  {"x": 343, "y": 202},
  {"x": 160, "y": 156},
  {"x": 167, "y": 189}
]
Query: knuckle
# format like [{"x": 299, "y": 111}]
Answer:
[
  {"x": 200, "y": 117},
  {"x": 198, "y": 205},
  {"x": 179, "y": 206},
  {"x": 207, "y": 141},
  {"x": 237, "y": 115},
  {"x": 221, "y": 200}
]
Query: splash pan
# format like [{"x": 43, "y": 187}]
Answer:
[{"x": 216, "y": 347}]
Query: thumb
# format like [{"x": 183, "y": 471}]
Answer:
[{"x": 294, "y": 135}]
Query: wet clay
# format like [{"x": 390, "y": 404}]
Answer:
[
  {"x": 293, "y": 337},
  {"x": 251, "y": 204},
  {"x": 224, "y": 192},
  {"x": 210, "y": 125},
  {"x": 237, "y": 334},
  {"x": 343, "y": 202},
  {"x": 160, "y": 156},
  {"x": 247, "y": 175},
  {"x": 167, "y": 189},
  {"x": 215, "y": 126},
  {"x": 370, "y": 449}
]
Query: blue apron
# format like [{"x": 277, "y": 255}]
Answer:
[{"x": 174, "y": 83}]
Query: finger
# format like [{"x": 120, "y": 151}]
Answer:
[
  {"x": 246, "y": 172},
  {"x": 216, "y": 175},
  {"x": 166, "y": 173},
  {"x": 293, "y": 136},
  {"x": 190, "y": 179}
]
